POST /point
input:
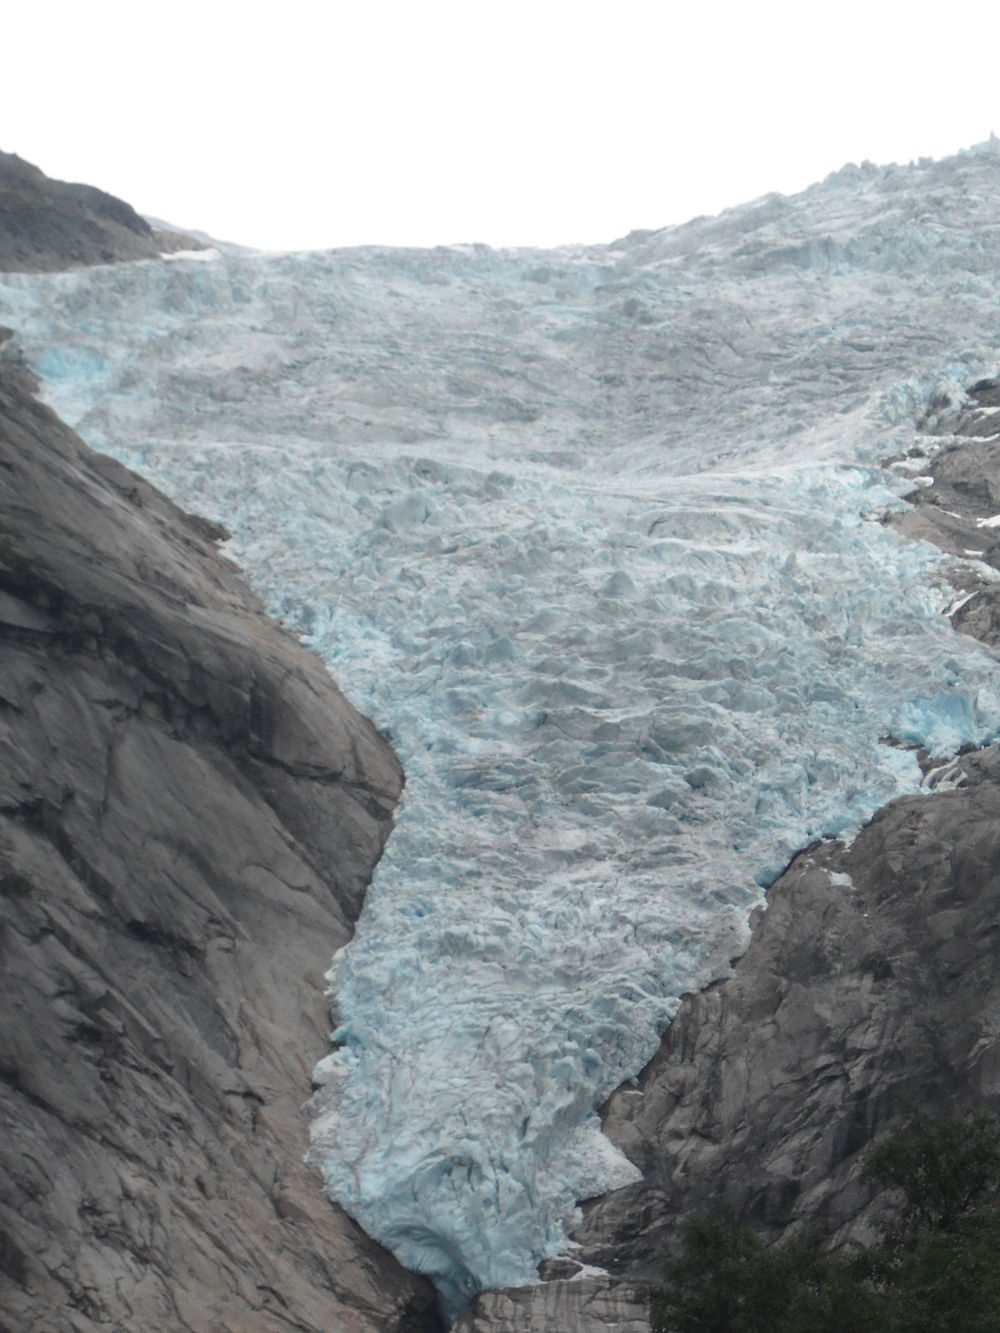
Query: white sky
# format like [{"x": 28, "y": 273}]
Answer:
[{"x": 295, "y": 124}]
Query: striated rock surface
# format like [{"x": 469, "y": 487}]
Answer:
[
  {"x": 583, "y": 1304},
  {"x": 46, "y": 225},
  {"x": 189, "y": 815}
]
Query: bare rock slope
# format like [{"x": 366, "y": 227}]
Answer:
[
  {"x": 47, "y": 224},
  {"x": 189, "y": 815},
  {"x": 870, "y": 980}
]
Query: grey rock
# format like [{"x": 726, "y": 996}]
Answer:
[
  {"x": 46, "y": 225},
  {"x": 964, "y": 490},
  {"x": 870, "y": 981},
  {"x": 189, "y": 815},
  {"x": 583, "y": 1305}
]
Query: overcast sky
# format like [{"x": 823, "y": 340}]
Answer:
[{"x": 294, "y": 125}]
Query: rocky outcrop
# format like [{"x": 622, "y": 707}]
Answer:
[
  {"x": 956, "y": 511},
  {"x": 870, "y": 983},
  {"x": 189, "y": 815},
  {"x": 583, "y": 1304},
  {"x": 46, "y": 225}
]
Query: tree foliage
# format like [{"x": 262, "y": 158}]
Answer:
[
  {"x": 726, "y": 1280},
  {"x": 945, "y": 1168},
  {"x": 934, "y": 1267}
]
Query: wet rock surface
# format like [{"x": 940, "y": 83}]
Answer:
[
  {"x": 189, "y": 815},
  {"x": 46, "y": 225}
]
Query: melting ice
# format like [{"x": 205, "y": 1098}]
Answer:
[{"x": 593, "y": 534}]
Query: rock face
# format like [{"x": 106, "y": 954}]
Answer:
[
  {"x": 956, "y": 511},
  {"x": 47, "y": 225},
  {"x": 580, "y": 1304},
  {"x": 870, "y": 982},
  {"x": 871, "y": 979},
  {"x": 190, "y": 813}
]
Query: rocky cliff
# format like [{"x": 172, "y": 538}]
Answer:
[
  {"x": 870, "y": 982},
  {"x": 190, "y": 813},
  {"x": 47, "y": 224}
]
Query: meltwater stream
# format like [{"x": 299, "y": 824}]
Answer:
[{"x": 593, "y": 534}]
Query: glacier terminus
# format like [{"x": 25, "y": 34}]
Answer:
[{"x": 594, "y": 535}]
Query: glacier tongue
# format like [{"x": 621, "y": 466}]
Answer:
[{"x": 589, "y": 531}]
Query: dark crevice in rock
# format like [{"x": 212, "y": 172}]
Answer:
[
  {"x": 12, "y": 1261},
  {"x": 148, "y": 932}
]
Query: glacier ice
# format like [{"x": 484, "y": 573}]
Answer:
[{"x": 591, "y": 533}]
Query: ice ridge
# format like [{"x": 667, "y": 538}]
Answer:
[{"x": 593, "y": 534}]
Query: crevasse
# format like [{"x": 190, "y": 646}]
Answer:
[{"x": 592, "y": 533}]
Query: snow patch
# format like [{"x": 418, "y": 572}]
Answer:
[
  {"x": 960, "y": 602},
  {"x": 201, "y": 256},
  {"x": 840, "y": 879}
]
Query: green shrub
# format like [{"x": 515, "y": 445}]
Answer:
[
  {"x": 726, "y": 1280},
  {"x": 945, "y": 1168},
  {"x": 934, "y": 1268}
]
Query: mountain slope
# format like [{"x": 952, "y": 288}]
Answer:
[
  {"x": 190, "y": 812},
  {"x": 47, "y": 225}
]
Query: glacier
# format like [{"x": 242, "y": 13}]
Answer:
[{"x": 592, "y": 534}]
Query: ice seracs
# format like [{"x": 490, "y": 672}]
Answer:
[{"x": 599, "y": 552}]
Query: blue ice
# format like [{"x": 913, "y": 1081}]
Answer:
[{"x": 593, "y": 534}]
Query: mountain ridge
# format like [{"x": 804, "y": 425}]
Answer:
[{"x": 48, "y": 225}]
